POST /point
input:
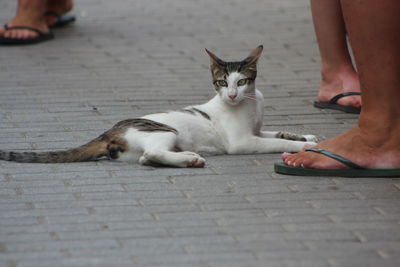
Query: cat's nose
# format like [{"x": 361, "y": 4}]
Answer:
[{"x": 233, "y": 96}]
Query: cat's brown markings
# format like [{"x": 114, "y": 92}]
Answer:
[{"x": 109, "y": 144}]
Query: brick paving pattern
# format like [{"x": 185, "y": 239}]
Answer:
[{"x": 124, "y": 59}]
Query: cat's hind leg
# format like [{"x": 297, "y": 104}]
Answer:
[{"x": 159, "y": 149}]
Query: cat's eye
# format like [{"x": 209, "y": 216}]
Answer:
[
  {"x": 221, "y": 83},
  {"x": 242, "y": 82}
]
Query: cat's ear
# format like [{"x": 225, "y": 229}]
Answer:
[
  {"x": 214, "y": 60},
  {"x": 254, "y": 56}
]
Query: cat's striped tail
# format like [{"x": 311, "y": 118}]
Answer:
[{"x": 91, "y": 151}]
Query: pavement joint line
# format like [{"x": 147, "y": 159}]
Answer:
[
  {"x": 67, "y": 182},
  {"x": 54, "y": 236},
  {"x": 332, "y": 263},
  {"x": 313, "y": 204},
  {"x": 78, "y": 196},
  {"x": 104, "y": 212},
  {"x": 248, "y": 198},
  {"x": 19, "y": 191},
  {"x": 186, "y": 194},
  {"x": 7, "y": 177},
  {"x": 3, "y": 247},
  {"x": 379, "y": 210},
  {"x": 124, "y": 187},
  {"x": 308, "y": 245},
  {"x": 171, "y": 179},
  {"x": 359, "y": 195},
  {"x": 65, "y": 253},
  {"x": 155, "y": 216},
  {"x": 289, "y": 227},
  {"x": 42, "y": 220},
  {"x": 383, "y": 254},
  {"x": 30, "y": 205},
  {"x": 91, "y": 210},
  {"x": 337, "y": 181},
  {"x": 334, "y": 218},
  {"x": 187, "y": 249},
  {"x": 11, "y": 263},
  {"x": 140, "y": 202},
  {"x": 362, "y": 238},
  {"x": 293, "y": 188}
]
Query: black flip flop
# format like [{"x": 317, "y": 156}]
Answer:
[
  {"x": 332, "y": 104},
  {"x": 17, "y": 41},
  {"x": 61, "y": 20},
  {"x": 354, "y": 171}
]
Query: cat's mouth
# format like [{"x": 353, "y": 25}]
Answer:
[{"x": 233, "y": 102}]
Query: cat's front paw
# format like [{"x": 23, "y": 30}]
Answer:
[
  {"x": 311, "y": 138},
  {"x": 297, "y": 137}
]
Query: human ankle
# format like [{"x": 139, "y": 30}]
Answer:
[
  {"x": 377, "y": 133},
  {"x": 60, "y": 6},
  {"x": 331, "y": 73}
]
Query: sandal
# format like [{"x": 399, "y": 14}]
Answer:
[
  {"x": 25, "y": 41},
  {"x": 332, "y": 104},
  {"x": 354, "y": 170},
  {"x": 61, "y": 20}
]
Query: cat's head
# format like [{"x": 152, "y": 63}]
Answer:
[{"x": 234, "y": 81}]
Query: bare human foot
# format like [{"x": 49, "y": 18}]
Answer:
[
  {"x": 355, "y": 145},
  {"x": 29, "y": 14},
  {"x": 337, "y": 82}
]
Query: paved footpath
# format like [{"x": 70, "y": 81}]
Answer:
[{"x": 123, "y": 59}]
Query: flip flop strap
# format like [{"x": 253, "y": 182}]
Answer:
[
  {"x": 337, "y": 97},
  {"x": 334, "y": 156},
  {"x": 7, "y": 28}
]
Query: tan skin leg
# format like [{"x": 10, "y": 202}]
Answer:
[
  {"x": 337, "y": 72},
  {"x": 31, "y": 13},
  {"x": 375, "y": 142},
  {"x": 61, "y": 7}
]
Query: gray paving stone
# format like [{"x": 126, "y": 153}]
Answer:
[{"x": 124, "y": 59}]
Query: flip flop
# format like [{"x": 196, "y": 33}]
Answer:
[
  {"x": 332, "y": 104},
  {"x": 354, "y": 171},
  {"x": 19, "y": 41},
  {"x": 61, "y": 20}
]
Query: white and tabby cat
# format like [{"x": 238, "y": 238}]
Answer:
[{"x": 230, "y": 123}]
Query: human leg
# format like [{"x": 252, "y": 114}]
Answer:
[
  {"x": 337, "y": 72},
  {"x": 375, "y": 141},
  {"x": 60, "y": 6},
  {"x": 55, "y": 13}
]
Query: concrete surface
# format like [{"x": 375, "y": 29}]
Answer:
[{"x": 124, "y": 59}]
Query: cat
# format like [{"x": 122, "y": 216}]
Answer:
[{"x": 229, "y": 123}]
